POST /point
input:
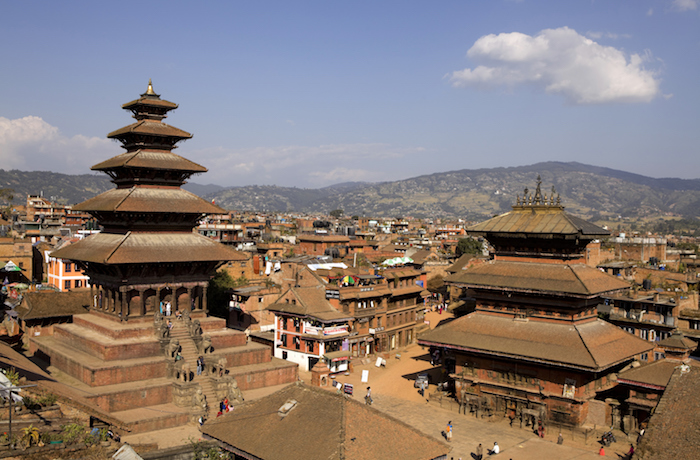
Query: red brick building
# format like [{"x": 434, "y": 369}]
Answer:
[
  {"x": 308, "y": 328},
  {"x": 318, "y": 244}
]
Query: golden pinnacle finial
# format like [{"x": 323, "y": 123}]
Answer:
[{"x": 150, "y": 91}]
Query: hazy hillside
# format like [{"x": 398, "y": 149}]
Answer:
[
  {"x": 64, "y": 188},
  {"x": 588, "y": 191},
  {"x": 70, "y": 189}
]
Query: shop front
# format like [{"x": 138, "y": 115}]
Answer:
[{"x": 337, "y": 361}]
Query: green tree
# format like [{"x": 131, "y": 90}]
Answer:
[
  {"x": 336, "y": 213},
  {"x": 217, "y": 295},
  {"x": 468, "y": 246},
  {"x": 6, "y": 197},
  {"x": 436, "y": 284}
]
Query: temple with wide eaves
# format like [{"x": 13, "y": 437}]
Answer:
[
  {"x": 147, "y": 252},
  {"x": 135, "y": 364},
  {"x": 534, "y": 346}
]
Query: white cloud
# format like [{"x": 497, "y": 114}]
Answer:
[
  {"x": 685, "y": 5},
  {"x": 650, "y": 12},
  {"x": 306, "y": 166},
  {"x": 31, "y": 144},
  {"x": 596, "y": 35},
  {"x": 561, "y": 62}
]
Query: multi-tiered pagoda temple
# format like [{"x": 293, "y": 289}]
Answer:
[
  {"x": 136, "y": 367},
  {"x": 535, "y": 346},
  {"x": 147, "y": 252}
]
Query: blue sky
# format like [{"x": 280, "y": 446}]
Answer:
[{"x": 309, "y": 94}]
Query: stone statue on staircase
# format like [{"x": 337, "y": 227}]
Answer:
[
  {"x": 200, "y": 401},
  {"x": 173, "y": 348},
  {"x": 206, "y": 344},
  {"x": 234, "y": 393}
]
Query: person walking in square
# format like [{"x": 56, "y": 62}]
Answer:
[{"x": 448, "y": 432}]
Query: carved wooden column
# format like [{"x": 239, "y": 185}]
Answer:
[
  {"x": 189, "y": 296},
  {"x": 142, "y": 307},
  {"x": 204, "y": 299},
  {"x": 124, "y": 307},
  {"x": 197, "y": 298}
]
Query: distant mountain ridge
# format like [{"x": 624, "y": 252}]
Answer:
[
  {"x": 70, "y": 188},
  {"x": 591, "y": 192}
]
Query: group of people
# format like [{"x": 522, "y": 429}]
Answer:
[
  {"x": 440, "y": 307},
  {"x": 224, "y": 406},
  {"x": 629, "y": 454},
  {"x": 479, "y": 454},
  {"x": 166, "y": 308}
]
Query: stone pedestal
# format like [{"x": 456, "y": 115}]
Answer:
[{"x": 183, "y": 394}]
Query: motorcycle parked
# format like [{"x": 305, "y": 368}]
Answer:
[{"x": 608, "y": 438}]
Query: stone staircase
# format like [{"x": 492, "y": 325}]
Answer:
[{"x": 190, "y": 354}]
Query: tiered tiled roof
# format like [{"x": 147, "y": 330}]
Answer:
[
  {"x": 310, "y": 302},
  {"x": 570, "y": 279},
  {"x": 593, "y": 345},
  {"x": 148, "y": 218}
]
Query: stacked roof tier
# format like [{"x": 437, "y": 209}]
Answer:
[{"x": 147, "y": 252}]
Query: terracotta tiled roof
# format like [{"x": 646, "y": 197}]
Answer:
[
  {"x": 461, "y": 263},
  {"x": 401, "y": 273},
  {"x": 679, "y": 341},
  {"x": 152, "y": 101},
  {"x": 356, "y": 293},
  {"x": 407, "y": 290},
  {"x": 594, "y": 345},
  {"x": 538, "y": 221},
  {"x": 321, "y": 426},
  {"x": 153, "y": 128},
  {"x": 132, "y": 248},
  {"x": 311, "y": 302},
  {"x": 673, "y": 429},
  {"x": 578, "y": 279},
  {"x": 147, "y": 199},
  {"x": 324, "y": 238},
  {"x": 52, "y": 304},
  {"x": 158, "y": 159},
  {"x": 654, "y": 374}
]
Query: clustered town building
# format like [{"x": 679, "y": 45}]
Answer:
[{"x": 557, "y": 320}]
